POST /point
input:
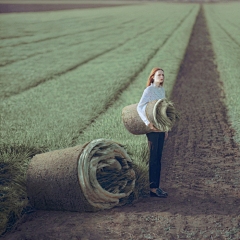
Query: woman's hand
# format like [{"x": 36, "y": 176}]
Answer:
[
  {"x": 166, "y": 135},
  {"x": 153, "y": 128}
]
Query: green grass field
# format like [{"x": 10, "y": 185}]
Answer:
[
  {"x": 74, "y": 100},
  {"x": 224, "y": 25},
  {"x": 68, "y": 78}
]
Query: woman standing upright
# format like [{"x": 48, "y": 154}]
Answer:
[{"x": 154, "y": 91}]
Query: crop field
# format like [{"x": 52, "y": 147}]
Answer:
[
  {"x": 224, "y": 26},
  {"x": 67, "y": 75}
]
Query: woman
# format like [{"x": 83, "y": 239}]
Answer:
[{"x": 154, "y": 91}]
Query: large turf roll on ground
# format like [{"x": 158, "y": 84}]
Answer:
[
  {"x": 89, "y": 177},
  {"x": 161, "y": 113}
]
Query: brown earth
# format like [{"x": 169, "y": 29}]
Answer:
[{"x": 200, "y": 171}]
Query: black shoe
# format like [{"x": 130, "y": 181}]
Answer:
[{"x": 159, "y": 193}]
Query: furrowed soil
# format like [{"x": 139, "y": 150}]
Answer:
[{"x": 200, "y": 171}]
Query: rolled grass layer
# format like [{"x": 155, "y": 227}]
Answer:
[
  {"x": 88, "y": 177},
  {"x": 161, "y": 113}
]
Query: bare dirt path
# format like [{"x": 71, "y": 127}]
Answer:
[{"x": 200, "y": 171}]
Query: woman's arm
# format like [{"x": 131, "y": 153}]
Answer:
[
  {"x": 142, "y": 106},
  {"x": 166, "y": 135},
  {"x": 164, "y": 95}
]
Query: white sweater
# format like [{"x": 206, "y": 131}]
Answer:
[{"x": 151, "y": 93}]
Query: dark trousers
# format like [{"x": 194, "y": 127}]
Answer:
[{"x": 155, "y": 144}]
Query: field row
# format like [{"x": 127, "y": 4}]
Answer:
[
  {"x": 224, "y": 26},
  {"x": 40, "y": 67},
  {"x": 25, "y": 50},
  {"x": 58, "y": 59},
  {"x": 17, "y": 29}
]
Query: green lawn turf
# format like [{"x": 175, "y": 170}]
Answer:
[
  {"x": 64, "y": 42},
  {"x": 54, "y": 112},
  {"x": 51, "y": 115},
  {"x": 224, "y": 25}
]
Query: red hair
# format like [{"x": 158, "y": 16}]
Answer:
[{"x": 151, "y": 76}]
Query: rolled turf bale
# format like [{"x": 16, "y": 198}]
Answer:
[
  {"x": 87, "y": 177},
  {"x": 161, "y": 113}
]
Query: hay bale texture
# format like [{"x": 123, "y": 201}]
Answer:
[
  {"x": 87, "y": 177},
  {"x": 161, "y": 113}
]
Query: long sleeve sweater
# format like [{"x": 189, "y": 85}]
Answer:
[{"x": 151, "y": 93}]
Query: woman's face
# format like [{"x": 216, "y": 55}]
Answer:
[{"x": 159, "y": 76}]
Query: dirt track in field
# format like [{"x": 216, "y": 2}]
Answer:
[{"x": 200, "y": 171}]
